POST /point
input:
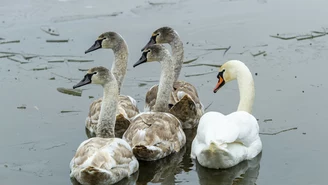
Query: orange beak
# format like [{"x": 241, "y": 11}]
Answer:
[{"x": 219, "y": 84}]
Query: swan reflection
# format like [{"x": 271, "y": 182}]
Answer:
[{"x": 245, "y": 173}]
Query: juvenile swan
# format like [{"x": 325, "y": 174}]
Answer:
[
  {"x": 127, "y": 106},
  {"x": 224, "y": 141},
  {"x": 157, "y": 134},
  {"x": 184, "y": 101},
  {"x": 104, "y": 159}
]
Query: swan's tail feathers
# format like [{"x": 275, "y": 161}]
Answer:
[
  {"x": 91, "y": 175},
  {"x": 185, "y": 110},
  {"x": 215, "y": 146},
  {"x": 121, "y": 125},
  {"x": 147, "y": 153},
  {"x": 181, "y": 94}
]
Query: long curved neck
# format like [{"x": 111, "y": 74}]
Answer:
[
  {"x": 177, "y": 53},
  {"x": 107, "y": 117},
  {"x": 246, "y": 89},
  {"x": 165, "y": 85},
  {"x": 121, "y": 62}
]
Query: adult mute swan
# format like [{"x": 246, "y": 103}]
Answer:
[{"x": 224, "y": 141}]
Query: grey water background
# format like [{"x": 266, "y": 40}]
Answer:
[{"x": 37, "y": 143}]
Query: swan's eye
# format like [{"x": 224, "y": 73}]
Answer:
[
  {"x": 95, "y": 73},
  {"x": 221, "y": 73}
]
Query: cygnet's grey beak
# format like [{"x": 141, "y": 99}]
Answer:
[
  {"x": 85, "y": 81},
  {"x": 151, "y": 42},
  {"x": 142, "y": 59},
  {"x": 95, "y": 46}
]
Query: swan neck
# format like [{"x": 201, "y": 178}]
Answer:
[
  {"x": 107, "y": 117},
  {"x": 177, "y": 53},
  {"x": 246, "y": 90},
  {"x": 165, "y": 85},
  {"x": 120, "y": 63}
]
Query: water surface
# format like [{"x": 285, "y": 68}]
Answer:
[{"x": 37, "y": 143}]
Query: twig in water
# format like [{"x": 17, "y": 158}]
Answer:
[
  {"x": 311, "y": 37},
  {"x": 17, "y": 60},
  {"x": 9, "y": 41},
  {"x": 74, "y": 92},
  {"x": 275, "y": 133},
  {"x": 6, "y": 56},
  {"x": 210, "y": 65},
  {"x": 55, "y": 146},
  {"x": 218, "y": 49},
  {"x": 208, "y": 106},
  {"x": 62, "y": 40},
  {"x": 241, "y": 52},
  {"x": 69, "y": 111},
  {"x": 56, "y": 61},
  {"x": 189, "y": 61},
  {"x": 283, "y": 38},
  {"x": 142, "y": 84},
  {"x": 41, "y": 68},
  {"x": 226, "y": 50},
  {"x": 35, "y": 55},
  {"x": 71, "y": 79},
  {"x": 50, "y": 30},
  {"x": 257, "y": 54},
  {"x": 159, "y": 3},
  {"x": 200, "y": 74},
  {"x": 266, "y": 120},
  {"x": 78, "y": 60}
]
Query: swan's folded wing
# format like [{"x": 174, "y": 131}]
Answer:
[
  {"x": 103, "y": 160},
  {"x": 128, "y": 105},
  {"x": 151, "y": 96},
  {"x": 182, "y": 86},
  {"x": 154, "y": 135},
  {"x": 178, "y": 88},
  {"x": 155, "y": 127},
  {"x": 93, "y": 116},
  {"x": 248, "y": 126},
  {"x": 126, "y": 109},
  {"x": 215, "y": 127}
]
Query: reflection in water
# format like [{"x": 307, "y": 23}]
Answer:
[
  {"x": 245, "y": 173},
  {"x": 161, "y": 171},
  {"x": 187, "y": 162},
  {"x": 126, "y": 181}
]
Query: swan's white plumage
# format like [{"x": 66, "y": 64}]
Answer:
[
  {"x": 235, "y": 135},
  {"x": 223, "y": 141}
]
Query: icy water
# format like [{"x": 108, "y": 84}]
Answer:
[{"x": 38, "y": 142}]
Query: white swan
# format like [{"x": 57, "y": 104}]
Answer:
[
  {"x": 127, "y": 106},
  {"x": 224, "y": 141},
  {"x": 155, "y": 135},
  {"x": 184, "y": 102},
  {"x": 103, "y": 159}
]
